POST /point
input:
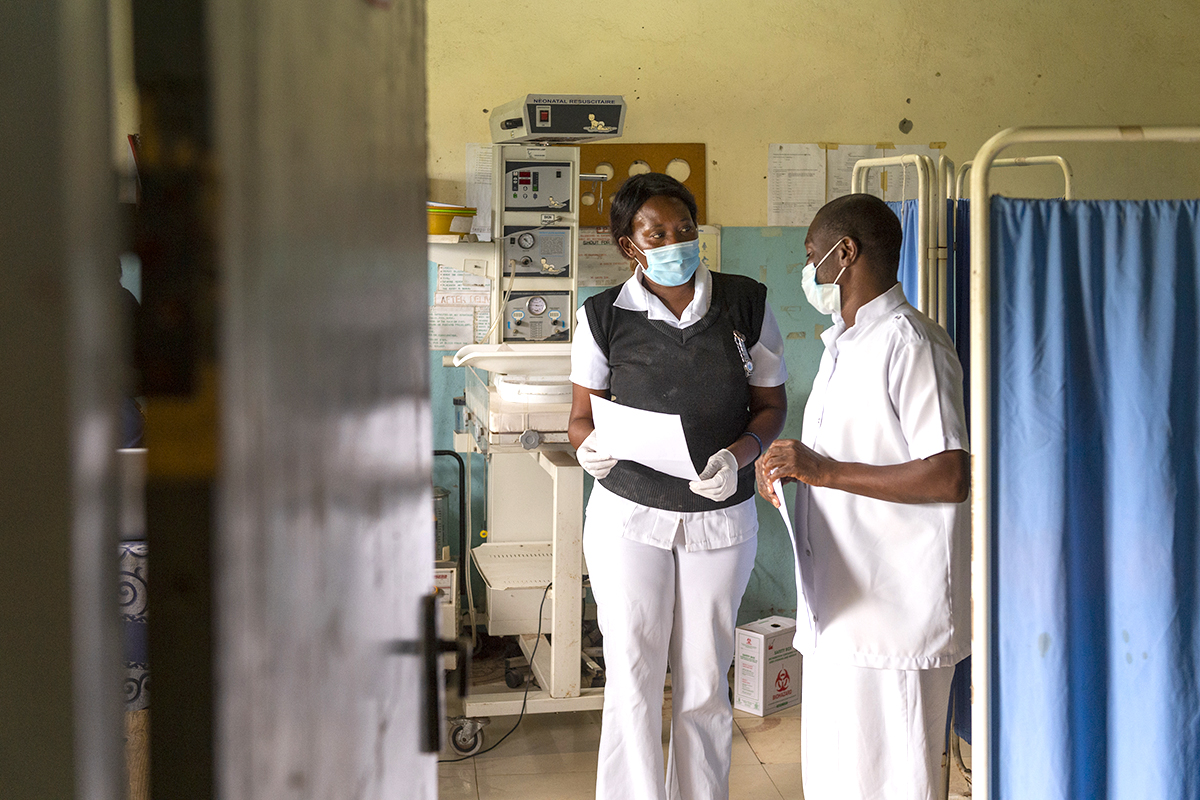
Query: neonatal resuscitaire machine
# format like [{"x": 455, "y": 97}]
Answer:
[{"x": 518, "y": 399}]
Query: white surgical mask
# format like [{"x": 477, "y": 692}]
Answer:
[
  {"x": 824, "y": 297},
  {"x": 671, "y": 264}
]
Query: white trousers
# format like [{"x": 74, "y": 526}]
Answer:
[
  {"x": 872, "y": 734},
  {"x": 658, "y": 606}
]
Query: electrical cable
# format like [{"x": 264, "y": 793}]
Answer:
[
  {"x": 467, "y": 569},
  {"x": 512, "y": 277},
  {"x": 525, "y": 699}
]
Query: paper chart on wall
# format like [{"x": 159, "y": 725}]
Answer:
[
  {"x": 710, "y": 247},
  {"x": 462, "y": 292},
  {"x": 600, "y": 262},
  {"x": 839, "y": 163},
  {"x": 479, "y": 189},
  {"x": 450, "y": 327},
  {"x": 647, "y": 437},
  {"x": 795, "y": 183}
]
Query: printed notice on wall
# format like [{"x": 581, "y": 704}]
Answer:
[
  {"x": 461, "y": 310},
  {"x": 453, "y": 280},
  {"x": 483, "y": 323},
  {"x": 451, "y": 327},
  {"x": 803, "y": 177},
  {"x": 840, "y": 161},
  {"x": 479, "y": 189},
  {"x": 601, "y": 263},
  {"x": 710, "y": 247},
  {"x": 795, "y": 183}
]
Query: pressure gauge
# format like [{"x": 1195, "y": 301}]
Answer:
[
  {"x": 536, "y": 305},
  {"x": 526, "y": 241}
]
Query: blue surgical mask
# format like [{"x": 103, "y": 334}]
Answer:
[
  {"x": 671, "y": 264},
  {"x": 826, "y": 298}
]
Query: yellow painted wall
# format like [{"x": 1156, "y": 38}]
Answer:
[{"x": 740, "y": 74}]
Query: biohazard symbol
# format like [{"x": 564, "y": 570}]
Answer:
[{"x": 782, "y": 681}]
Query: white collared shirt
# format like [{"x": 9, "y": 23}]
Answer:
[
  {"x": 702, "y": 530},
  {"x": 885, "y": 585}
]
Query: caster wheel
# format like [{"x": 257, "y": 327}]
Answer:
[
  {"x": 514, "y": 678},
  {"x": 463, "y": 743}
]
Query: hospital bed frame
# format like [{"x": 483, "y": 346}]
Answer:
[
  {"x": 1023, "y": 161},
  {"x": 933, "y": 185},
  {"x": 981, "y": 405}
]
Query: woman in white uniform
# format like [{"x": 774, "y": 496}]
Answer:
[{"x": 669, "y": 559}]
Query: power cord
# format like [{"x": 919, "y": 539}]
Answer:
[
  {"x": 512, "y": 277},
  {"x": 525, "y": 699}
]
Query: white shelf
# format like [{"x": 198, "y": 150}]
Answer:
[
  {"x": 451, "y": 238},
  {"x": 516, "y": 565},
  {"x": 517, "y": 359}
]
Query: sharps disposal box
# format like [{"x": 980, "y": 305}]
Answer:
[{"x": 767, "y": 669}]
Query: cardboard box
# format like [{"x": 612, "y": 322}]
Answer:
[{"x": 766, "y": 668}]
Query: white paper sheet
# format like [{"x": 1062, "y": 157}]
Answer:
[
  {"x": 839, "y": 163},
  {"x": 479, "y": 189},
  {"x": 483, "y": 323},
  {"x": 461, "y": 298},
  {"x": 710, "y": 247},
  {"x": 646, "y": 437},
  {"x": 783, "y": 509},
  {"x": 795, "y": 183},
  {"x": 450, "y": 279},
  {"x": 451, "y": 328},
  {"x": 600, "y": 262}
]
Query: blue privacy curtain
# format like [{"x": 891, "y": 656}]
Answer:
[
  {"x": 906, "y": 210},
  {"x": 1096, "y": 507}
]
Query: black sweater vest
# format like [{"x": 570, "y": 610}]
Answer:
[{"x": 696, "y": 372}]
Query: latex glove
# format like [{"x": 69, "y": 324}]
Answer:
[
  {"x": 594, "y": 462},
  {"x": 720, "y": 477}
]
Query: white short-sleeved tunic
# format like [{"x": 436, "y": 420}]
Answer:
[
  {"x": 884, "y": 585},
  {"x": 702, "y": 530}
]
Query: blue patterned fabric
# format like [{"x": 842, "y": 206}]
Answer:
[{"x": 132, "y": 600}]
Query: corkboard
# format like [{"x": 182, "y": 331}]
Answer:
[{"x": 622, "y": 156}]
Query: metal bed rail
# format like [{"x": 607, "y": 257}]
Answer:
[
  {"x": 1022, "y": 161},
  {"x": 929, "y": 223}
]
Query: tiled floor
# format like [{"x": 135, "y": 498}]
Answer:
[{"x": 553, "y": 756}]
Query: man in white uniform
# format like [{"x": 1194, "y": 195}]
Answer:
[{"x": 882, "y": 541}]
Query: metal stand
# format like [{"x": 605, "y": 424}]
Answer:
[{"x": 517, "y": 572}]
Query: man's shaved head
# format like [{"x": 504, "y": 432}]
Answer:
[{"x": 867, "y": 220}]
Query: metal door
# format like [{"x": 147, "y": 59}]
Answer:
[{"x": 325, "y": 529}]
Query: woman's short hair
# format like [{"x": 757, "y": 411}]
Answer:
[{"x": 634, "y": 193}]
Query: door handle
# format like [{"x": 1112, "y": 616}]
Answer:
[{"x": 429, "y": 647}]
